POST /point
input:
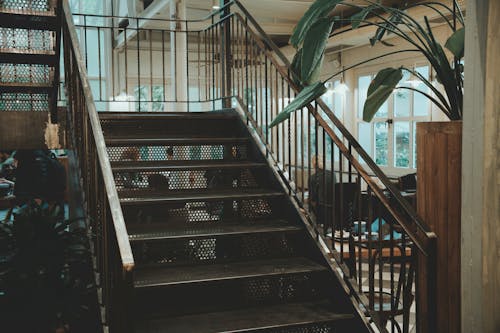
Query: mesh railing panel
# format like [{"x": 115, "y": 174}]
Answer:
[
  {"x": 35, "y": 41},
  {"x": 25, "y": 73},
  {"x": 24, "y": 102}
]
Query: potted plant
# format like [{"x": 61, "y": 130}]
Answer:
[
  {"x": 439, "y": 143},
  {"x": 45, "y": 270}
]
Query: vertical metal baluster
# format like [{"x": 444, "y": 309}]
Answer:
[
  {"x": 187, "y": 68},
  {"x": 198, "y": 38},
  {"x": 326, "y": 221},
  {"x": 266, "y": 123},
  {"x": 126, "y": 59},
  {"x": 341, "y": 192},
  {"x": 380, "y": 258},
  {"x": 99, "y": 57},
  {"x": 163, "y": 66},
  {"x": 138, "y": 63},
  {"x": 151, "y": 96},
  {"x": 371, "y": 263},
  {"x": 360, "y": 219},
  {"x": 174, "y": 70},
  {"x": 302, "y": 165}
]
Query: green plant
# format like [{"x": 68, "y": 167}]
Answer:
[
  {"x": 45, "y": 275},
  {"x": 311, "y": 35}
]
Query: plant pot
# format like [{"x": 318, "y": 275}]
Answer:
[{"x": 439, "y": 172}]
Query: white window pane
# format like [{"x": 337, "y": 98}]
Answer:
[
  {"x": 363, "y": 84},
  {"x": 421, "y": 104},
  {"x": 365, "y": 137},
  {"x": 141, "y": 95},
  {"x": 402, "y": 144},
  {"x": 402, "y": 100},
  {"x": 381, "y": 143},
  {"x": 383, "y": 111},
  {"x": 95, "y": 58}
]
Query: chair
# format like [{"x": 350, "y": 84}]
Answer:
[
  {"x": 385, "y": 304},
  {"x": 408, "y": 182}
]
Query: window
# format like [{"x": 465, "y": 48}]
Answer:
[
  {"x": 93, "y": 43},
  {"x": 390, "y": 137}
]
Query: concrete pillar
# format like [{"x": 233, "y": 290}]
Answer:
[{"x": 178, "y": 43}]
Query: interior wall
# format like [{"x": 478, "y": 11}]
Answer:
[{"x": 481, "y": 171}]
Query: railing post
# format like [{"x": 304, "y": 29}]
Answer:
[
  {"x": 226, "y": 56},
  {"x": 426, "y": 289}
]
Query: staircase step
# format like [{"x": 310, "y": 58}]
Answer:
[
  {"x": 26, "y": 88},
  {"x": 146, "y": 196},
  {"x": 187, "y": 141},
  {"x": 39, "y": 20},
  {"x": 119, "y": 116},
  {"x": 164, "y": 231},
  {"x": 28, "y": 57},
  {"x": 131, "y": 166},
  {"x": 167, "y": 276},
  {"x": 260, "y": 318}
]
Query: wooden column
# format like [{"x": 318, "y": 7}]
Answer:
[{"x": 439, "y": 204}]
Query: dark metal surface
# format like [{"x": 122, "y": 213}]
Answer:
[
  {"x": 248, "y": 320},
  {"x": 139, "y": 197},
  {"x": 157, "y": 276},
  {"x": 164, "y": 231}
]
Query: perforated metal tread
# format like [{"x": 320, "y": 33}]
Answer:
[
  {"x": 118, "y": 116},
  {"x": 25, "y": 88},
  {"x": 262, "y": 318},
  {"x": 144, "y": 141},
  {"x": 129, "y": 166},
  {"x": 28, "y": 57},
  {"x": 146, "y": 196},
  {"x": 164, "y": 231},
  {"x": 154, "y": 276},
  {"x": 45, "y": 20}
]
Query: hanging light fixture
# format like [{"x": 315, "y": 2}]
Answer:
[
  {"x": 215, "y": 5},
  {"x": 342, "y": 87}
]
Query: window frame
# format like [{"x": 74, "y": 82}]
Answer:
[{"x": 411, "y": 119}]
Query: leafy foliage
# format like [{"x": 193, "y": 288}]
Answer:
[
  {"x": 311, "y": 34},
  {"x": 45, "y": 274}
]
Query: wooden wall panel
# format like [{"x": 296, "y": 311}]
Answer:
[
  {"x": 439, "y": 204},
  {"x": 26, "y": 129}
]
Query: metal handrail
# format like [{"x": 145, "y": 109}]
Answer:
[
  {"x": 425, "y": 235},
  {"x": 355, "y": 144},
  {"x": 125, "y": 249}
]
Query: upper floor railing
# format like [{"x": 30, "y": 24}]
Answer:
[{"x": 384, "y": 251}]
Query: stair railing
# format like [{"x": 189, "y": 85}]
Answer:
[
  {"x": 384, "y": 251},
  {"x": 114, "y": 260},
  {"x": 369, "y": 227}
]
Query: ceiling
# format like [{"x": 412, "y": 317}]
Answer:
[{"x": 277, "y": 17}]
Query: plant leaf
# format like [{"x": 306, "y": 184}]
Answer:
[
  {"x": 314, "y": 49},
  {"x": 360, "y": 16},
  {"x": 318, "y": 9},
  {"x": 296, "y": 67},
  {"x": 306, "y": 96},
  {"x": 456, "y": 43},
  {"x": 388, "y": 24},
  {"x": 379, "y": 90}
]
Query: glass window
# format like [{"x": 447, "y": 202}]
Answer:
[{"x": 391, "y": 137}]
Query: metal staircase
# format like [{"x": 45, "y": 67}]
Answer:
[
  {"x": 29, "y": 65},
  {"x": 199, "y": 219},
  {"x": 219, "y": 247}
]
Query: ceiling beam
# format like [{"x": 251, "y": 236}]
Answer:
[{"x": 155, "y": 7}]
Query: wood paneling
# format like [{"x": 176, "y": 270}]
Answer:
[
  {"x": 25, "y": 129},
  {"x": 439, "y": 204}
]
